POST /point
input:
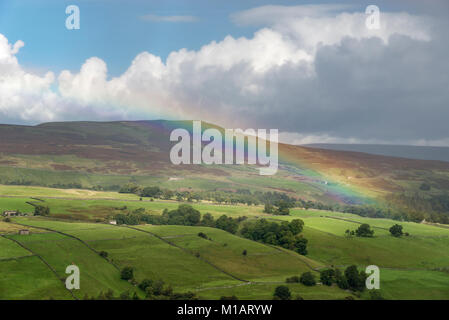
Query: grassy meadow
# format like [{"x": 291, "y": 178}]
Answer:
[{"x": 411, "y": 267}]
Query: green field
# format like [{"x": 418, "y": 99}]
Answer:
[{"x": 412, "y": 267}]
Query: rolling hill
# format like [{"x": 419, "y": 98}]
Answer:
[
  {"x": 107, "y": 155},
  {"x": 32, "y": 266},
  {"x": 400, "y": 151}
]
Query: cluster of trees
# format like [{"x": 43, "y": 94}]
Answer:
[
  {"x": 285, "y": 234},
  {"x": 40, "y": 210},
  {"x": 364, "y": 230},
  {"x": 158, "y": 290},
  {"x": 419, "y": 206},
  {"x": 281, "y": 208},
  {"x": 184, "y": 215},
  {"x": 60, "y": 185},
  {"x": 243, "y": 196},
  {"x": 154, "y": 289},
  {"x": 307, "y": 279},
  {"x": 351, "y": 278},
  {"x": 415, "y": 207}
]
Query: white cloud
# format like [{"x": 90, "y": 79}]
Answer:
[
  {"x": 311, "y": 69},
  {"x": 23, "y": 95},
  {"x": 275, "y": 14}
]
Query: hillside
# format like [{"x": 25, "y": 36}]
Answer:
[
  {"x": 32, "y": 266},
  {"x": 400, "y": 151},
  {"x": 107, "y": 155}
]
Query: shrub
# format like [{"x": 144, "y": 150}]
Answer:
[
  {"x": 307, "y": 279},
  {"x": 103, "y": 254},
  {"x": 245, "y": 252},
  {"x": 327, "y": 277},
  {"x": 202, "y": 235},
  {"x": 127, "y": 273},
  {"x": 364, "y": 231},
  {"x": 282, "y": 293},
  {"x": 396, "y": 230},
  {"x": 145, "y": 284},
  {"x": 294, "y": 279}
]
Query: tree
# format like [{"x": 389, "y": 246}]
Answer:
[
  {"x": 208, "y": 220},
  {"x": 152, "y": 192},
  {"x": 269, "y": 208},
  {"x": 145, "y": 284},
  {"x": 158, "y": 287},
  {"x": 184, "y": 215},
  {"x": 167, "y": 194},
  {"x": 364, "y": 231},
  {"x": 396, "y": 230},
  {"x": 245, "y": 252},
  {"x": 130, "y": 188},
  {"x": 40, "y": 210},
  {"x": 307, "y": 279},
  {"x": 356, "y": 279},
  {"x": 282, "y": 293},
  {"x": 127, "y": 273},
  {"x": 103, "y": 254},
  {"x": 227, "y": 223},
  {"x": 296, "y": 226},
  {"x": 301, "y": 245},
  {"x": 283, "y": 208},
  {"x": 341, "y": 280},
  {"x": 327, "y": 276}
]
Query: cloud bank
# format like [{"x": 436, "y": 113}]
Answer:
[{"x": 314, "y": 72}]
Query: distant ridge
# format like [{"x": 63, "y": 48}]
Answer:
[{"x": 400, "y": 151}]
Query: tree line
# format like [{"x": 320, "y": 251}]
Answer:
[{"x": 184, "y": 215}]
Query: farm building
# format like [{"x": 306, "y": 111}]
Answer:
[
  {"x": 112, "y": 222},
  {"x": 13, "y": 213},
  {"x": 10, "y": 213},
  {"x": 24, "y": 232}
]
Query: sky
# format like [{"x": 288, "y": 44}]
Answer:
[{"x": 313, "y": 70}]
